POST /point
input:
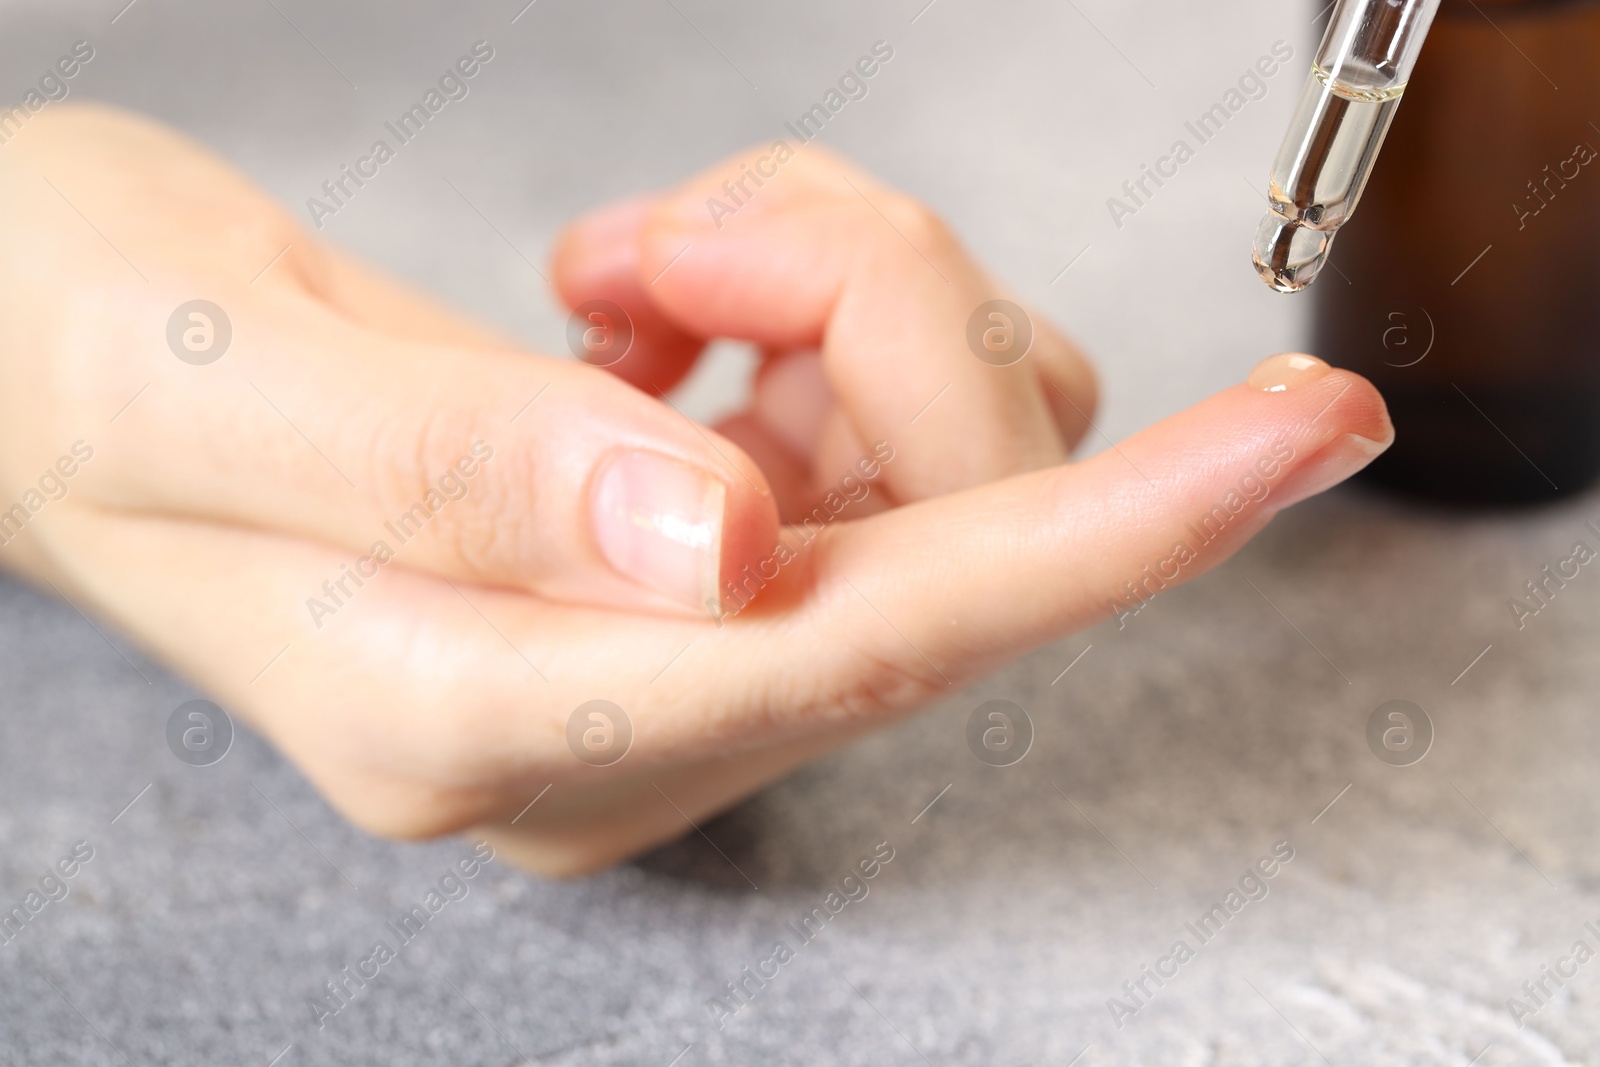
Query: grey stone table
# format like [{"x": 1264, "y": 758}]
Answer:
[{"x": 1173, "y": 755}]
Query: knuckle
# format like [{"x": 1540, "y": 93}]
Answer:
[
  {"x": 568, "y": 863},
  {"x": 892, "y": 681},
  {"x": 922, "y": 225},
  {"x": 438, "y": 474},
  {"x": 250, "y": 234},
  {"x": 88, "y": 369},
  {"x": 432, "y": 779},
  {"x": 402, "y": 810},
  {"x": 821, "y": 167},
  {"x": 875, "y": 680}
]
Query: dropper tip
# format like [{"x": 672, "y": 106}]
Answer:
[{"x": 1288, "y": 254}]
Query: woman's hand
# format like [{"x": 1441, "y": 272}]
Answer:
[{"x": 408, "y": 553}]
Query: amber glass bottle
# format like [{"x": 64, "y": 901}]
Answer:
[{"x": 1468, "y": 285}]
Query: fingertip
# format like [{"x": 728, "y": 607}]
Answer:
[
  {"x": 599, "y": 243},
  {"x": 1349, "y": 430},
  {"x": 1071, "y": 385},
  {"x": 1296, "y": 425},
  {"x": 683, "y": 529},
  {"x": 1320, "y": 397},
  {"x": 1285, "y": 370},
  {"x": 1365, "y": 410},
  {"x": 608, "y": 223},
  {"x": 750, "y": 548},
  {"x": 597, "y": 258},
  {"x": 787, "y": 474},
  {"x": 793, "y": 399}
]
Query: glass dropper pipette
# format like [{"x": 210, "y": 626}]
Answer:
[{"x": 1356, "y": 81}]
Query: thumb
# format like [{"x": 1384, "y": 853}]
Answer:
[{"x": 474, "y": 464}]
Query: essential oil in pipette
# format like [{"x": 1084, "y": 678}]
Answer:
[{"x": 1319, "y": 174}]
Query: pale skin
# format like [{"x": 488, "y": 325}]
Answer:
[{"x": 436, "y": 699}]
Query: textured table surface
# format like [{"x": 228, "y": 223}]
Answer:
[{"x": 1172, "y": 756}]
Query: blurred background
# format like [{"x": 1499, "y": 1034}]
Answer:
[{"x": 1168, "y": 756}]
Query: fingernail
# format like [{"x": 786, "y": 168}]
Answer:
[
  {"x": 659, "y": 522},
  {"x": 1285, "y": 371},
  {"x": 1328, "y": 468}
]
